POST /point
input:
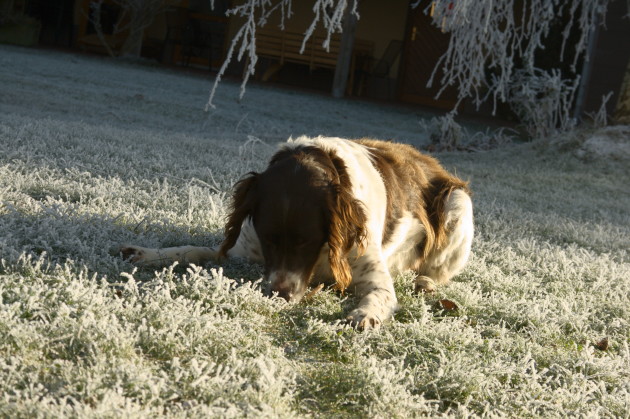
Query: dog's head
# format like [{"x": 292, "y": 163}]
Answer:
[{"x": 302, "y": 207}]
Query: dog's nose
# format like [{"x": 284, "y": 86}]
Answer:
[{"x": 284, "y": 290}]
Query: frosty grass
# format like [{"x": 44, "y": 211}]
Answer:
[{"x": 94, "y": 153}]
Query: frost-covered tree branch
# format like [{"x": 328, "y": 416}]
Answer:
[
  {"x": 256, "y": 13},
  {"x": 542, "y": 100},
  {"x": 135, "y": 17},
  {"x": 491, "y": 53},
  {"x": 493, "y": 35}
]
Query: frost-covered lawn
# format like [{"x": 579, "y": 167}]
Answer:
[{"x": 94, "y": 153}]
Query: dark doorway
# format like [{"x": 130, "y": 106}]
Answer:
[
  {"x": 56, "y": 20},
  {"x": 424, "y": 45}
]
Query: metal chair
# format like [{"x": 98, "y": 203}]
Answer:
[{"x": 380, "y": 68}]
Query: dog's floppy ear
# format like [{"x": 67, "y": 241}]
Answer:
[
  {"x": 243, "y": 205},
  {"x": 347, "y": 224}
]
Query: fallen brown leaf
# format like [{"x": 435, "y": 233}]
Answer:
[
  {"x": 447, "y": 305},
  {"x": 602, "y": 345}
]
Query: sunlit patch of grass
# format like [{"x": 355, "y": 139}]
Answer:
[{"x": 518, "y": 333}]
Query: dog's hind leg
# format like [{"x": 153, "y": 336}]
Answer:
[{"x": 449, "y": 259}]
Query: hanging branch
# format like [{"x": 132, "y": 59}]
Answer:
[
  {"x": 491, "y": 51},
  {"x": 135, "y": 17},
  {"x": 331, "y": 13},
  {"x": 487, "y": 39},
  {"x": 257, "y": 13},
  {"x": 94, "y": 15}
]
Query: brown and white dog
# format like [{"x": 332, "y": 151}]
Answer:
[{"x": 348, "y": 213}]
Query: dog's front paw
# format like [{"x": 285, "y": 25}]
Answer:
[
  {"x": 362, "y": 319},
  {"x": 132, "y": 254},
  {"x": 424, "y": 284}
]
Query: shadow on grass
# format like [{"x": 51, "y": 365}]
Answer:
[{"x": 60, "y": 234}]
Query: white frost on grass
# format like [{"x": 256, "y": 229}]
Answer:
[
  {"x": 610, "y": 143},
  {"x": 94, "y": 153},
  {"x": 608, "y": 146}
]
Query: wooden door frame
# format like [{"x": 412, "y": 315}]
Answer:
[{"x": 402, "y": 67}]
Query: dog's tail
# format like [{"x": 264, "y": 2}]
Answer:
[{"x": 436, "y": 196}]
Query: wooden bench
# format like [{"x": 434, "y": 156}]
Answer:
[{"x": 285, "y": 46}]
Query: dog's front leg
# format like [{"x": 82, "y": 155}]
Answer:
[
  {"x": 144, "y": 256},
  {"x": 374, "y": 286}
]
